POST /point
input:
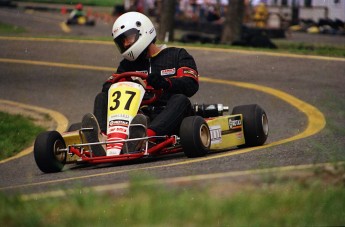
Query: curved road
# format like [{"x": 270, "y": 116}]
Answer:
[{"x": 304, "y": 98}]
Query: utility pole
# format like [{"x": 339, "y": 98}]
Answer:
[
  {"x": 167, "y": 19},
  {"x": 232, "y": 28},
  {"x": 295, "y": 12}
]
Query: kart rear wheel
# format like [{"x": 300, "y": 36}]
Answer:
[
  {"x": 48, "y": 156},
  {"x": 255, "y": 124},
  {"x": 195, "y": 136}
]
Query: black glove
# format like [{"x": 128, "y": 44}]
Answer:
[{"x": 158, "y": 82}]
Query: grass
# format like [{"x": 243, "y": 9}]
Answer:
[
  {"x": 311, "y": 49},
  {"x": 279, "y": 203},
  {"x": 16, "y": 133},
  {"x": 284, "y": 47},
  {"x": 10, "y": 29}
]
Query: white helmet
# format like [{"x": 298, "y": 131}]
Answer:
[{"x": 133, "y": 23}]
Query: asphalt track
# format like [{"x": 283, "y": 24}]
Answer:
[{"x": 303, "y": 97}]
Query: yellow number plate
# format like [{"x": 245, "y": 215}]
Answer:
[{"x": 124, "y": 100}]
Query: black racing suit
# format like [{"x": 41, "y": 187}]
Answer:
[{"x": 173, "y": 105}]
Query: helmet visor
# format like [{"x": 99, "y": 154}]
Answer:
[{"x": 126, "y": 39}]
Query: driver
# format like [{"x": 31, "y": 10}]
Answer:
[
  {"x": 77, "y": 12},
  {"x": 171, "y": 69}
]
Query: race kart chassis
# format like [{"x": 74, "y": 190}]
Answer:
[{"x": 207, "y": 131}]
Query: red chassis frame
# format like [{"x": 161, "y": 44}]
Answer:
[{"x": 162, "y": 148}]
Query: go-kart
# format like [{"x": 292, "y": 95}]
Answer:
[
  {"x": 208, "y": 130},
  {"x": 80, "y": 20}
]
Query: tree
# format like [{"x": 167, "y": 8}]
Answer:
[
  {"x": 166, "y": 20},
  {"x": 233, "y": 22}
]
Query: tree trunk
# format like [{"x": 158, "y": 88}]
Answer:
[
  {"x": 166, "y": 22},
  {"x": 233, "y": 22}
]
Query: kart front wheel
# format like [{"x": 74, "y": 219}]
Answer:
[
  {"x": 195, "y": 136},
  {"x": 48, "y": 152},
  {"x": 255, "y": 124}
]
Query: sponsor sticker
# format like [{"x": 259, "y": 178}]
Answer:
[
  {"x": 119, "y": 129},
  {"x": 166, "y": 72},
  {"x": 152, "y": 30},
  {"x": 190, "y": 72},
  {"x": 131, "y": 55},
  {"x": 118, "y": 122},
  {"x": 216, "y": 134},
  {"x": 143, "y": 71},
  {"x": 239, "y": 136},
  {"x": 235, "y": 122}
]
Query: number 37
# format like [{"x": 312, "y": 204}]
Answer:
[{"x": 117, "y": 99}]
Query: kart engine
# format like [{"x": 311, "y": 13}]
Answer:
[{"x": 210, "y": 110}]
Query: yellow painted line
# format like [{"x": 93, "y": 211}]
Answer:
[
  {"x": 57, "y": 40},
  {"x": 178, "y": 180},
  {"x": 274, "y": 54},
  {"x": 316, "y": 122},
  {"x": 60, "y": 193},
  {"x": 70, "y": 178},
  {"x": 60, "y": 120},
  {"x": 65, "y": 27},
  {"x": 56, "y": 64},
  {"x": 316, "y": 119},
  {"x": 249, "y": 52}
]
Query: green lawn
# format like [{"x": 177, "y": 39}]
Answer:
[
  {"x": 16, "y": 133},
  {"x": 276, "y": 203},
  {"x": 10, "y": 29}
]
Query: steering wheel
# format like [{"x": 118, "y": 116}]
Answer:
[{"x": 128, "y": 76}]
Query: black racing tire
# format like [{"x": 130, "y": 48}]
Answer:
[
  {"x": 47, "y": 156},
  {"x": 255, "y": 124},
  {"x": 74, "y": 127},
  {"x": 195, "y": 136}
]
